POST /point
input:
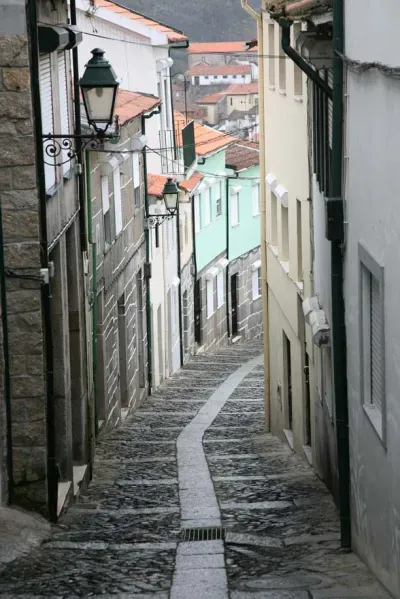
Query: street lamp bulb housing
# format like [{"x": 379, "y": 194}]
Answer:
[
  {"x": 171, "y": 193},
  {"x": 99, "y": 87}
]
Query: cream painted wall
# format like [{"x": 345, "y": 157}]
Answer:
[
  {"x": 243, "y": 103},
  {"x": 287, "y": 161}
]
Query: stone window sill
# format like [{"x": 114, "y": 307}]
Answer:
[{"x": 376, "y": 419}]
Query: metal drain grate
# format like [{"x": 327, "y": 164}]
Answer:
[{"x": 203, "y": 534}]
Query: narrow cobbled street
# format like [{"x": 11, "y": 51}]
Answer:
[{"x": 196, "y": 456}]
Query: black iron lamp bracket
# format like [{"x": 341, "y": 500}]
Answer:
[{"x": 155, "y": 220}]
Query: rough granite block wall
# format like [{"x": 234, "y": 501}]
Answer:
[
  {"x": 249, "y": 310},
  {"x": 19, "y": 201},
  {"x": 187, "y": 293},
  {"x": 214, "y": 328}
]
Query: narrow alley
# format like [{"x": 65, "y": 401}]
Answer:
[{"x": 195, "y": 456}]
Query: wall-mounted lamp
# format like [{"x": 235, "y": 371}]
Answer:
[{"x": 170, "y": 197}]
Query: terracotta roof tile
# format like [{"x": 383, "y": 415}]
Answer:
[
  {"x": 211, "y": 99},
  {"x": 242, "y": 155},
  {"x": 207, "y": 140},
  {"x": 174, "y": 35},
  {"x": 216, "y": 47},
  {"x": 189, "y": 184},
  {"x": 156, "y": 184},
  {"x": 224, "y": 69},
  {"x": 242, "y": 89},
  {"x": 132, "y": 104}
]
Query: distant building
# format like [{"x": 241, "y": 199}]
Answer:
[
  {"x": 207, "y": 74},
  {"x": 242, "y": 97},
  {"x": 221, "y": 53},
  {"x": 215, "y": 107}
]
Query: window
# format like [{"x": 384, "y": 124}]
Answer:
[
  {"x": 206, "y": 206},
  {"x": 105, "y": 200},
  {"x": 205, "y": 76},
  {"x": 224, "y": 76},
  {"x": 322, "y": 138},
  {"x": 285, "y": 233},
  {"x": 136, "y": 179},
  {"x": 218, "y": 199},
  {"x": 297, "y": 73},
  {"x": 117, "y": 200},
  {"x": 372, "y": 340},
  {"x": 197, "y": 221},
  {"x": 220, "y": 289},
  {"x": 282, "y": 66},
  {"x": 215, "y": 76},
  {"x": 299, "y": 243},
  {"x": 234, "y": 76},
  {"x": 271, "y": 52},
  {"x": 256, "y": 283},
  {"x": 46, "y": 101},
  {"x": 196, "y": 80},
  {"x": 210, "y": 297},
  {"x": 63, "y": 98},
  {"x": 157, "y": 236},
  {"x": 231, "y": 101},
  {"x": 274, "y": 220},
  {"x": 234, "y": 209},
  {"x": 256, "y": 199},
  {"x": 327, "y": 374}
]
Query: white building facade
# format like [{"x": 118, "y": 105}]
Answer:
[
  {"x": 288, "y": 246},
  {"x": 371, "y": 284}
]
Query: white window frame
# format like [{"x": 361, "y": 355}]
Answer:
[
  {"x": 234, "y": 205},
  {"x": 117, "y": 200},
  {"x": 255, "y": 193},
  {"x": 372, "y": 273},
  {"x": 255, "y": 283},
  {"x": 47, "y": 109},
  {"x": 197, "y": 216},
  {"x": 105, "y": 201},
  {"x": 63, "y": 102},
  {"x": 210, "y": 297},
  {"x": 218, "y": 199},
  {"x": 136, "y": 178},
  {"x": 220, "y": 289},
  {"x": 206, "y": 206}
]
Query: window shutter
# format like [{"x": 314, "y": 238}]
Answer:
[
  {"x": 136, "y": 171},
  {"x": 210, "y": 297},
  {"x": 206, "y": 205},
  {"x": 64, "y": 118},
  {"x": 330, "y": 107},
  {"x": 197, "y": 223},
  {"x": 117, "y": 200},
  {"x": 256, "y": 199},
  {"x": 220, "y": 289},
  {"x": 254, "y": 282},
  {"x": 376, "y": 344},
  {"x": 105, "y": 199},
  {"x": 234, "y": 209},
  {"x": 46, "y": 101}
]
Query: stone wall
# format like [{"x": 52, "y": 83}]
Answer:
[
  {"x": 20, "y": 205},
  {"x": 250, "y": 316},
  {"x": 121, "y": 292}
]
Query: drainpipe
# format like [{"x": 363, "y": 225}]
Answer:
[
  {"x": 194, "y": 261},
  {"x": 299, "y": 60},
  {"x": 6, "y": 355},
  {"x": 52, "y": 470},
  {"x": 78, "y": 132},
  {"x": 336, "y": 210},
  {"x": 228, "y": 323},
  {"x": 148, "y": 240},
  {"x": 337, "y": 260},
  {"x": 179, "y": 266},
  {"x": 263, "y": 208}
]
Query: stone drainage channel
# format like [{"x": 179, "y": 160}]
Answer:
[{"x": 195, "y": 456}]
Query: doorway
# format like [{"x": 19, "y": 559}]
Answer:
[
  {"x": 234, "y": 303},
  {"x": 308, "y": 398},
  {"x": 122, "y": 347},
  {"x": 287, "y": 373},
  {"x": 140, "y": 329},
  {"x": 185, "y": 322},
  {"x": 197, "y": 313}
]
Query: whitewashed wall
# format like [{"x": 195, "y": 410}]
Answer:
[{"x": 372, "y": 211}]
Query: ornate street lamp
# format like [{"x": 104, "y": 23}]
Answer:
[
  {"x": 99, "y": 88},
  {"x": 170, "y": 197}
]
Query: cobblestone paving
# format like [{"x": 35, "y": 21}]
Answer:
[{"x": 123, "y": 539}]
